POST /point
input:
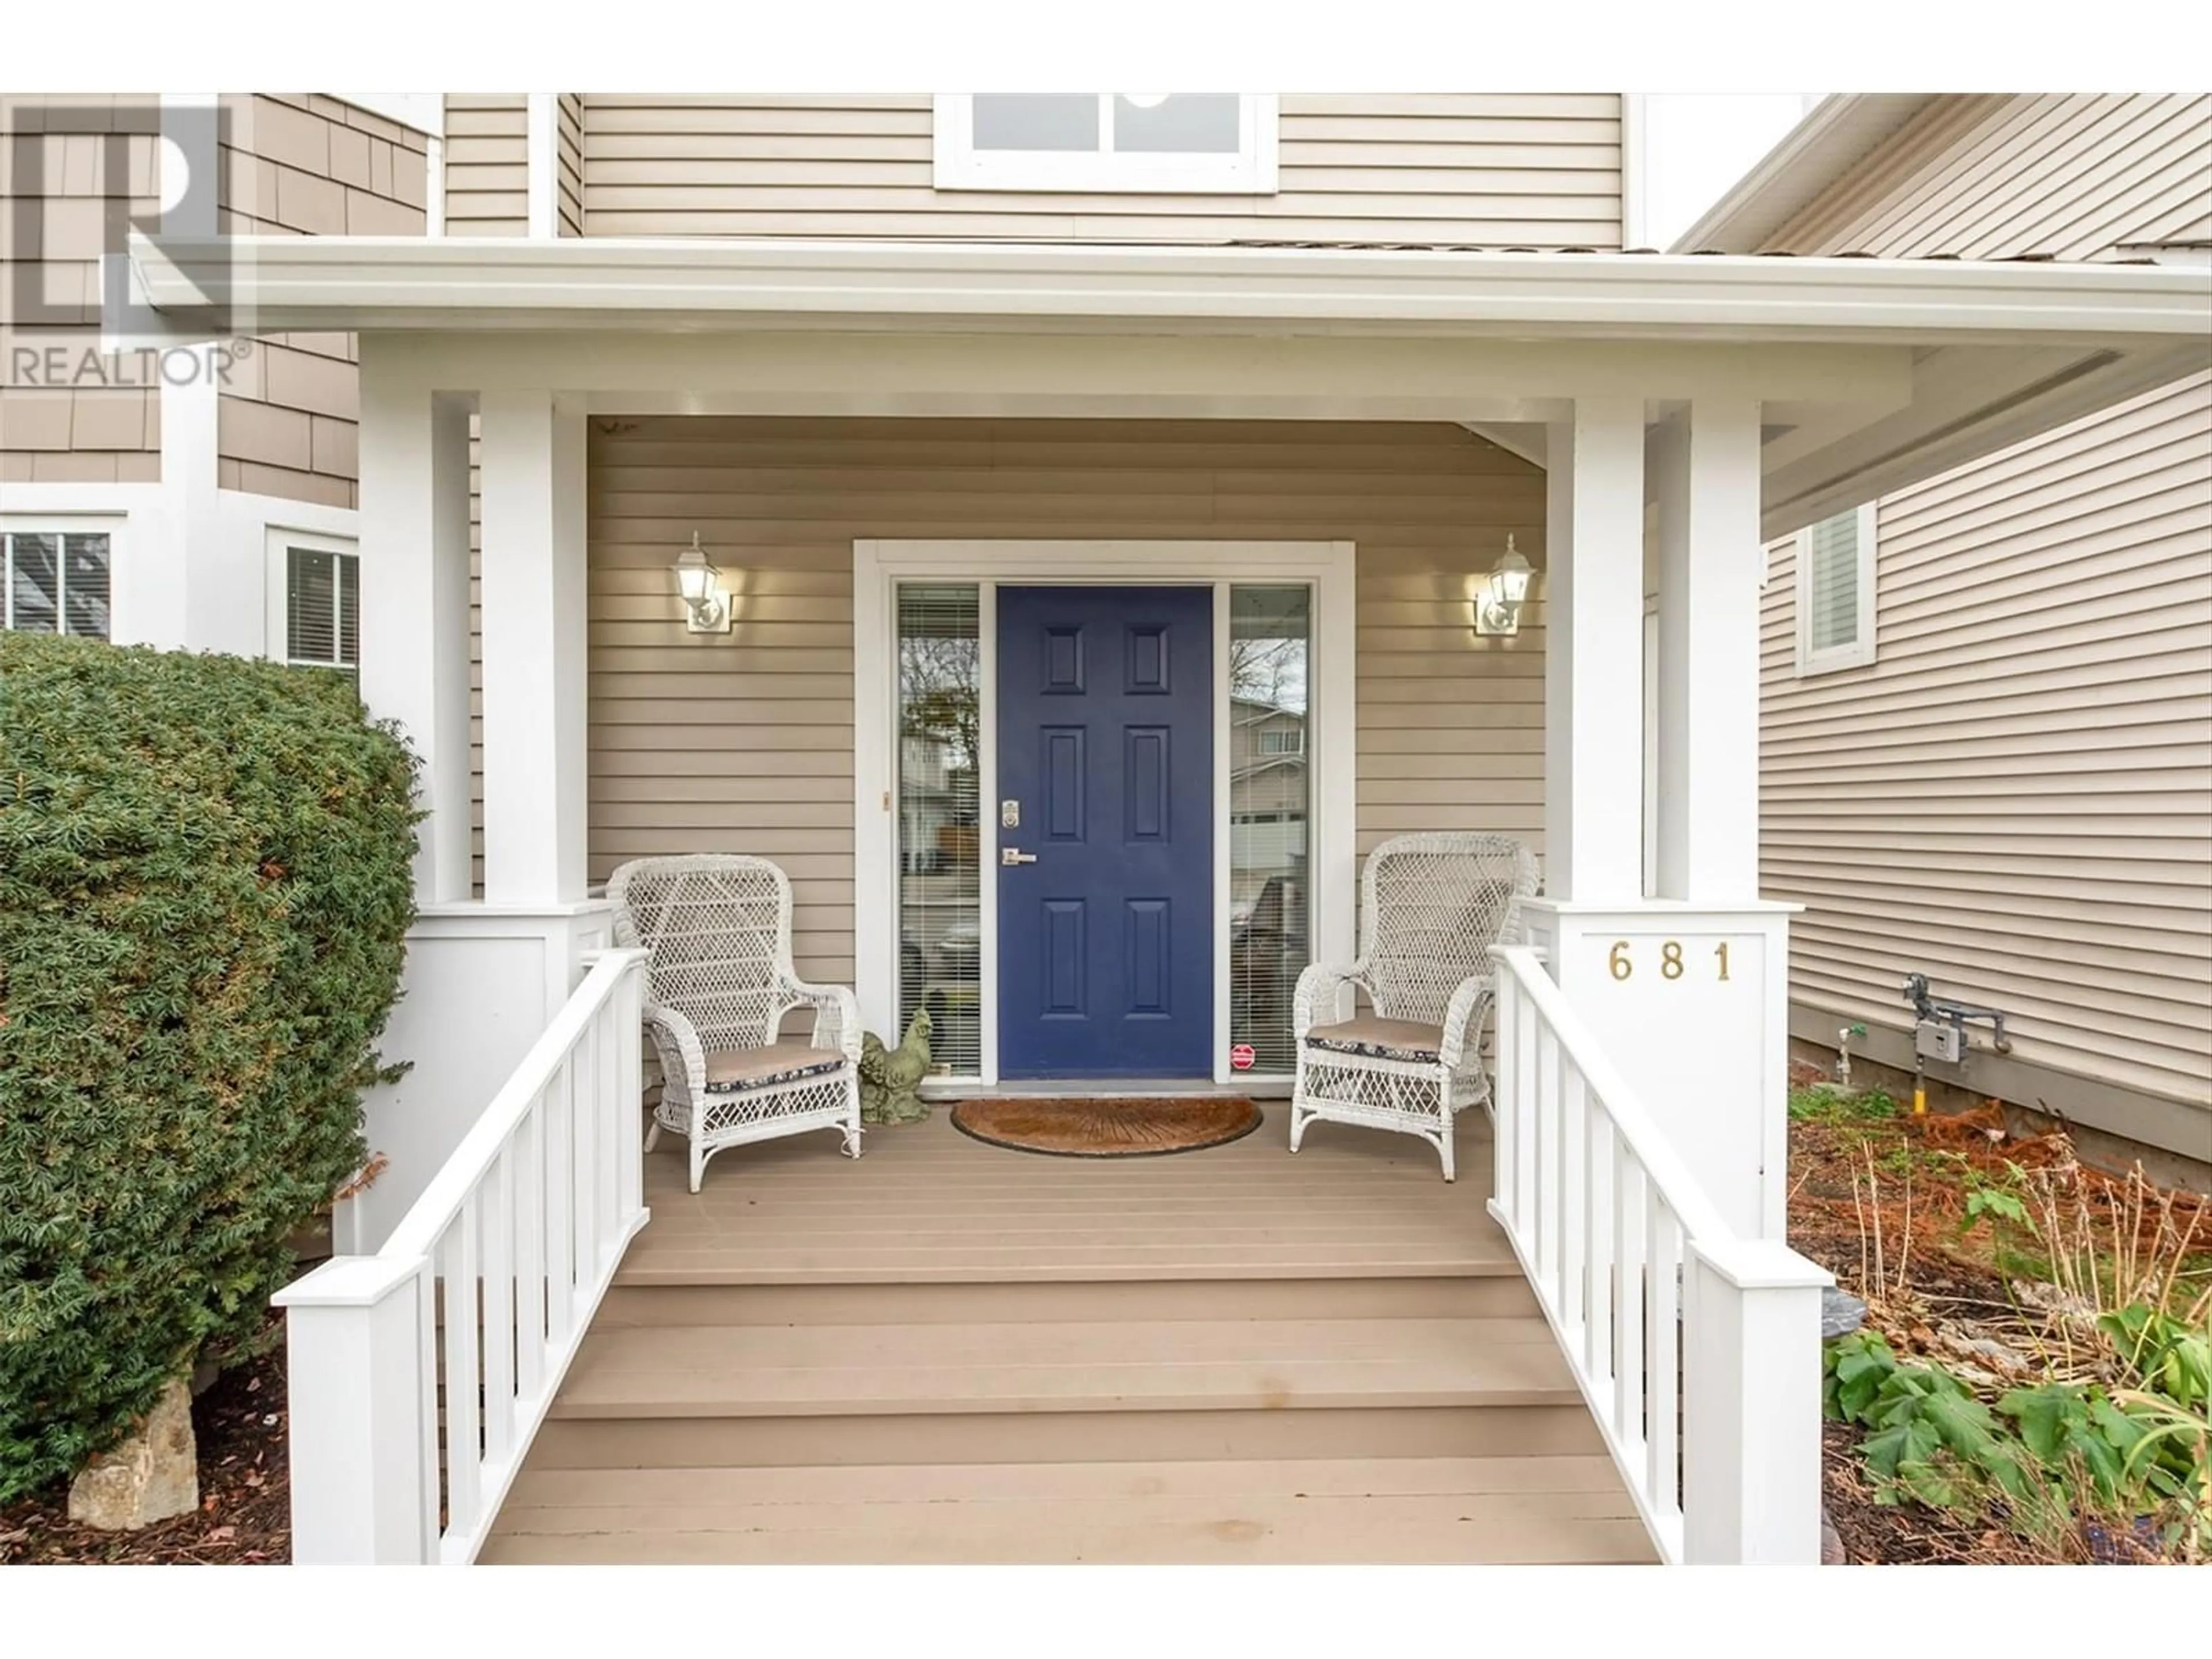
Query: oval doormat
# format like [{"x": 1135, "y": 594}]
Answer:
[{"x": 1081, "y": 1127}]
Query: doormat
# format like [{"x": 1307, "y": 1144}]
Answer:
[{"x": 1105, "y": 1126}]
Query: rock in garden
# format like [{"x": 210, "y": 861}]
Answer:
[
  {"x": 1841, "y": 1313},
  {"x": 1833, "y": 1553},
  {"x": 151, "y": 1476}
]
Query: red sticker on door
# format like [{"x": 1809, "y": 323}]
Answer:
[{"x": 1241, "y": 1057}]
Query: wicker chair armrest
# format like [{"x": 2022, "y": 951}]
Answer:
[
  {"x": 1464, "y": 1016},
  {"x": 683, "y": 1056},
  {"x": 837, "y": 1015},
  {"x": 1320, "y": 994}
]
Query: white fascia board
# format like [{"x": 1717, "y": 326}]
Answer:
[{"x": 339, "y": 283}]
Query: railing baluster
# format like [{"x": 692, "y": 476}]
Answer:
[
  {"x": 560, "y": 1197},
  {"x": 1507, "y": 1133},
  {"x": 586, "y": 1231},
  {"x": 464, "y": 1437},
  {"x": 1547, "y": 1161},
  {"x": 1664, "y": 1236},
  {"x": 1574, "y": 1134},
  {"x": 1598, "y": 1260},
  {"x": 529, "y": 1161},
  {"x": 606, "y": 1157},
  {"x": 1525, "y": 1107},
  {"x": 497, "y": 1246},
  {"x": 630, "y": 1093},
  {"x": 1629, "y": 1300}
]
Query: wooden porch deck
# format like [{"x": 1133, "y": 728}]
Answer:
[
  {"x": 947, "y": 1351},
  {"x": 926, "y": 1203}
]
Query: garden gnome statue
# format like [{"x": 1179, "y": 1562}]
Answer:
[{"x": 891, "y": 1079}]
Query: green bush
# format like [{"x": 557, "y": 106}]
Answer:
[{"x": 204, "y": 891}]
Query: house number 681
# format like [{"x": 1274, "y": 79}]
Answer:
[{"x": 1622, "y": 965}]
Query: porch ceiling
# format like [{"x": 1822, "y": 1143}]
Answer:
[{"x": 1883, "y": 372}]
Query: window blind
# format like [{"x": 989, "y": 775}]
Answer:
[
  {"x": 54, "y": 582},
  {"x": 322, "y": 606},
  {"x": 1831, "y": 589}
]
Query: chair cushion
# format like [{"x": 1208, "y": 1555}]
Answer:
[
  {"x": 1375, "y": 1038},
  {"x": 734, "y": 1071}
]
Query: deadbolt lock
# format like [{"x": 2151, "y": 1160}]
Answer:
[{"x": 1010, "y": 815}]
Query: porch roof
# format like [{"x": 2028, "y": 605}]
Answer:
[{"x": 1979, "y": 355}]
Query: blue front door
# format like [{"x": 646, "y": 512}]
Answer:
[{"x": 1106, "y": 782}]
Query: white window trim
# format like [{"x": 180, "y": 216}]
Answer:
[
  {"x": 960, "y": 166},
  {"x": 877, "y": 569},
  {"x": 67, "y": 524},
  {"x": 1859, "y": 651},
  {"x": 278, "y": 588}
]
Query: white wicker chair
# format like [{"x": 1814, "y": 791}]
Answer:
[
  {"x": 1432, "y": 907},
  {"x": 717, "y": 988}
]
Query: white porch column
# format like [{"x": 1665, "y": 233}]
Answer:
[
  {"x": 1707, "y": 463},
  {"x": 414, "y": 600},
  {"x": 1593, "y": 652},
  {"x": 533, "y": 460},
  {"x": 1688, "y": 991}
]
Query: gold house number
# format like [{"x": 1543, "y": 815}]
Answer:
[{"x": 1622, "y": 965}]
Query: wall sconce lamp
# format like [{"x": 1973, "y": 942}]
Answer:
[
  {"x": 1498, "y": 604},
  {"x": 700, "y": 585}
]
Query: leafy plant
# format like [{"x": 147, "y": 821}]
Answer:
[
  {"x": 204, "y": 891},
  {"x": 2051, "y": 1459},
  {"x": 1825, "y": 1103}
]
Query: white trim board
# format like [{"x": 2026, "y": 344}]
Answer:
[{"x": 879, "y": 565}]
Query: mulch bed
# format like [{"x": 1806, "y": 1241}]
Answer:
[{"x": 244, "y": 1515}]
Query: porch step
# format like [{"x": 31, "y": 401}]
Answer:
[
  {"x": 929, "y": 1370},
  {"x": 1304, "y": 1510},
  {"x": 629, "y": 1304}
]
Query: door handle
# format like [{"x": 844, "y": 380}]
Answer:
[{"x": 1013, "y": 856}]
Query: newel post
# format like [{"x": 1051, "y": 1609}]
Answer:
[
  {"x": 362, "y": 1412},
  {"x": 1751, "y": 1406}
]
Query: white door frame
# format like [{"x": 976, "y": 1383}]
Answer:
[{"x": 877, "y": 569}]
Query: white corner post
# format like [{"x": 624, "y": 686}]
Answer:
[
  {"x": 414, "y": 599},
  {"x": 533, "y": 643},
  {"x": 358, "y": 1330},
  {"x": 1751, "y": 1413},
  {"x": 1687, "y": 991}
]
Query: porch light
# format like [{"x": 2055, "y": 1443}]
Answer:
[
  {"x": 700, "y": 585},
  {"x": 1497, "y": 606}
]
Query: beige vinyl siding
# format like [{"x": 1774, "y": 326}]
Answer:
[
  {"x": 307, "y": 164},
  {"x": 2016, "y": 797},
  {"x": 1540, "y": 169},
  {"x": 2071, "y": 176},
  {"x": 92, "y": 420},
  {"x": 569, "y": 155},
  {"x": 744, "y": 742},
  {"x": 486, "y": 164}
]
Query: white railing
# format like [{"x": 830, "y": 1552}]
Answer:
[
  {"x": 474, "y": 1307},
  {"x": 1697, "y": 1350}
]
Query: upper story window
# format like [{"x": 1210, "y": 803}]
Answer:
[
  {"x": 1164, "y": 143},
  {"x": 1835, "y": 591},
  {"x": 1291, "y": 741},
  {"x": 54, "y": 581}
]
